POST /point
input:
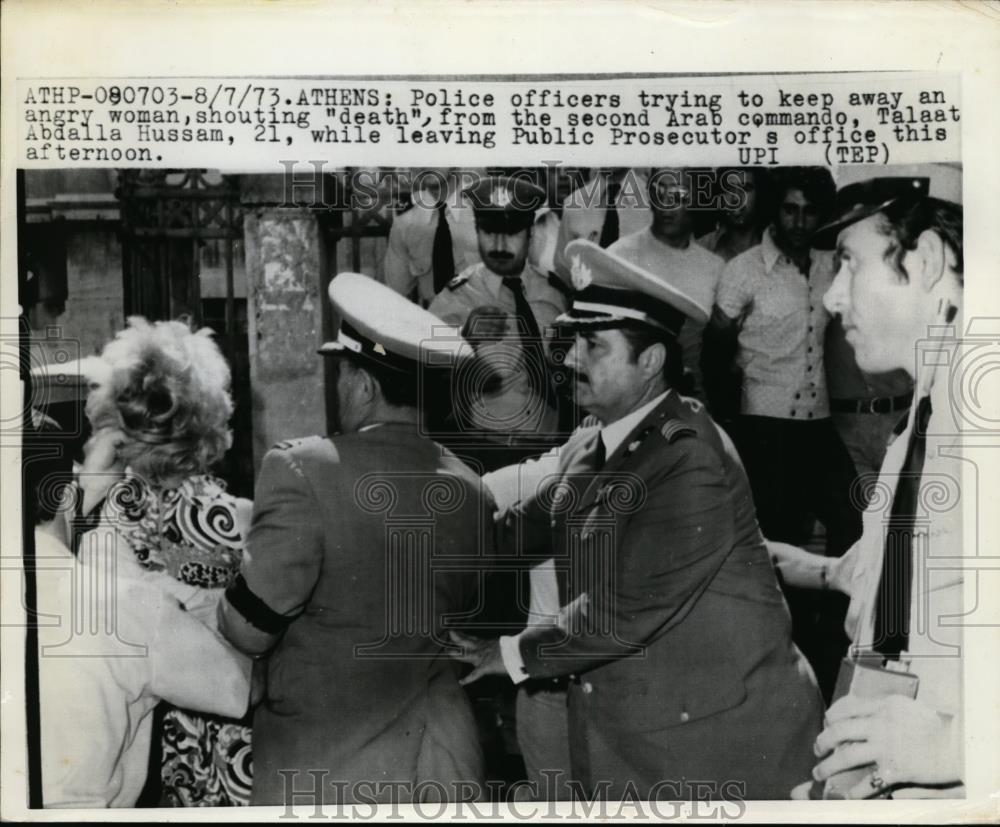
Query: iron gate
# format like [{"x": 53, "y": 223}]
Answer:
[{"x": 182, "y": 255}]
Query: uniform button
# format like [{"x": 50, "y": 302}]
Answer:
[
  {"x": 798, "y": 395},
  {"x": 685, "y": 717},
  {"x": 809, "y": 350},
  {"x": 587, "y": 688},
  {"x": 793, "y": 413},
  {"x": 809, "y": 367},
  {"x": 552, "y": 524},
  {"x": 814, "y": 394},
  {"x": 809, "y": 416},
  {"x": 810, "y": 328}
]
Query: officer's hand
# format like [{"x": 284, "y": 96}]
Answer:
[
  {"x": 800, "y": 792},
  {"x": 907, "y": 741},
  {"x": 482, "y": 653}
]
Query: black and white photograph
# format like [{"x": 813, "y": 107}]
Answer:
[{"x": 523, "y": 444}]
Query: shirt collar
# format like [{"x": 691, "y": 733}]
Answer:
[
  {"x": 769, "y": 250},
  {"x": 614, "y": 434},
  {"x": 771, "y": 253}
]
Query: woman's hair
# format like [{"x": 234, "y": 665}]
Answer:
[{"x": 168, "y": 391}]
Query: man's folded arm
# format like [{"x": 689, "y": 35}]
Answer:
[
  {"x": 670, "y": 551},
  {"x": 282, "y": 559}
]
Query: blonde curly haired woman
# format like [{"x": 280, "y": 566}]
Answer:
[{"x": 160, "y": 419}]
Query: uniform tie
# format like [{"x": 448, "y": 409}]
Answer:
[
  {"x": 611, "y": 229},
  {"x": 892, "y": 604},
  {"x": 531, "y": 340},
  {"x": 442, "y": 255},
  {"x": 600, "y": 455}
]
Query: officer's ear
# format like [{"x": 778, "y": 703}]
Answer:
[
  {"x": 367, "y": 385},
  {"x": 652, "y": 360},
  {"x": 928, "y": 262}
]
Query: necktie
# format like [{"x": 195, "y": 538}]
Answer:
[
  {"x": 892, "y": 604},
  {"x": 600, "y": 453},
  {"x": 610, "y": 229},
  {"x": 442, "y": 256},
  {"x": 531, "y": 340}
]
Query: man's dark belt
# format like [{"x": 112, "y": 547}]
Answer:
[{"x": 876, "y": 405}]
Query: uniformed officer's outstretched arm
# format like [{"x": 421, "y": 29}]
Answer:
[
  {"x": 282, "y": 559},
  {"x": 663, "y": 558}
]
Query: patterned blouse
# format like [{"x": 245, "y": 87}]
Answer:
[{"x": 193, "y": 533}]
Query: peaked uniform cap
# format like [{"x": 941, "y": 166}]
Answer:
[
  {"x": 380, "y": 325},
  {"x": 505, "y": 204},
  {"x": 858, "y": 201},
  {"x": 609, "y": 289}
]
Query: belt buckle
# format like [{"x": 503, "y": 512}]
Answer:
[{"x": 881, "y": 405}]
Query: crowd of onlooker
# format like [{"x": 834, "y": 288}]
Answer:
[{"x": 765, "y": 349}]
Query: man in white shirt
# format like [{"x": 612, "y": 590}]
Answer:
[
  {"x": 672, "y": 638},
  {"x": 667, "y": 249},
  {"x": 898, "y": 289}
]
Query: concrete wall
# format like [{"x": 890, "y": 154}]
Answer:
[
  {"x": 283, "y": 266},
  {"x": 94, "y": 278}
]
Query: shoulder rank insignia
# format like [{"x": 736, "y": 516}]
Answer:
[
  {"x": 458, "y": 281},
  {"x": 674, "y": 429},
  {"x": 287, "y": 444},
  {"x": 692, "y": 403}
]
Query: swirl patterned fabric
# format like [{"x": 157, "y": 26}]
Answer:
[{"x": 192, "y": 533}]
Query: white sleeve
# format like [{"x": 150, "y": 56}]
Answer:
[
  {"x": 194, "y": 668},
  {"x": 513, "y": 483},
  {"x": 83, "y": 713},
  {"x": 510, "y": 651}
]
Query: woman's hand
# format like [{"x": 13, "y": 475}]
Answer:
[
  {"x": 907, "y": 741},
  {"x": 101, "y": 467}
]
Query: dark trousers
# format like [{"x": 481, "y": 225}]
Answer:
[{"x": 800, "y": 472}]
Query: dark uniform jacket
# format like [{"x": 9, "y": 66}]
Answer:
[
  {"x": 351, "y": 536},
  {"x": 680, "y": 654}
]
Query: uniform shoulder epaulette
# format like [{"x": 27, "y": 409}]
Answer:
[
  {"x": 692, "y": 404},
  {"x": 458, "y": 281},
  {"x": 674, "y": 429},
  {"x": 288, "y": 444}
]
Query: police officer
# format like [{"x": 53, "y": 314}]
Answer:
[
  {"x": 506, "y": 281},
  {"x": 671, "y": 631},
  {"x": 433, "y": 238},
  {"x": 340, "y": 588}
]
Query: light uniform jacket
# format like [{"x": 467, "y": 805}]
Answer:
[
  {"x": 408, "y": 264},
  {"x": 936, "y": 606},
  {"x": 478, "y": 286},
  {"x": 682, "y": 660},
  {"x": 351, "y": 536},
  {"x": 583, "y": 213}
]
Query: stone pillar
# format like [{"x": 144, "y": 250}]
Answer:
[{"x": 284, "y": 310}]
